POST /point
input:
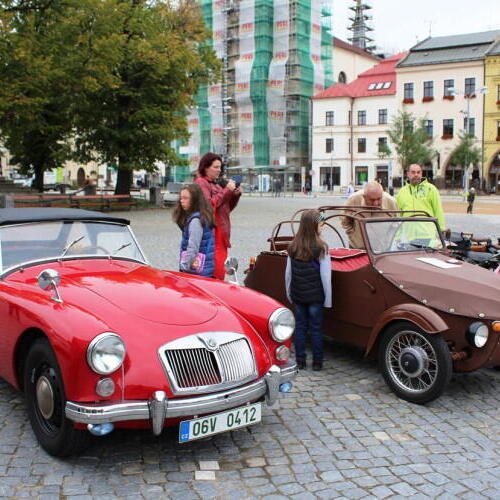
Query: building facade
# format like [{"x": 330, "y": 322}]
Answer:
[
  {"x": 276, "y": 54},
  {"x": 350, "y": 123},
  {"x": 492, "y": 119},
  {"x": 440, "y": 81}
]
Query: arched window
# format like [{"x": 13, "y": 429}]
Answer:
[{"x": 342, "y": 77}]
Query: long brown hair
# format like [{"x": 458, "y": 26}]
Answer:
[
  {"x": 307, "y": 238},
  {"x": 198, "y": 204}
]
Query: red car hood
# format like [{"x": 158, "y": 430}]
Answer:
[{"x": 151, "y": 294}]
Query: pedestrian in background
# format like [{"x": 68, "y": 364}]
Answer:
[
  {"x": 308, "y": 282},
  {"x": 470, "y": 200},
  {"x": 194, "y": 217},
  {"x": 223, "y": 196},
  {"x": 419, "y": 194}
]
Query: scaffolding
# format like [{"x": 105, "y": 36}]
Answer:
[
  {"x": 359, "y": 27},
  {"x": 276, "y": 55}
]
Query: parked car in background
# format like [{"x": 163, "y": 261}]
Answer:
[
  {"x": 404, "y": 300},
  {"x": 97, "y": 338}
]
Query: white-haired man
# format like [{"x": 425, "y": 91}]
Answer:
[{"x": 372, "y": 195}]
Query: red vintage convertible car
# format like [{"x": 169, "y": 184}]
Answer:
[
  {"x": 403, "y": 298},
  {"x": 97, "y": 338}
]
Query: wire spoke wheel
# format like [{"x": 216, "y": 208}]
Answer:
[{"x": 415, "y": 365}]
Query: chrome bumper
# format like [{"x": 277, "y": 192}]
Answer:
[{"x": 159, "y": 408}]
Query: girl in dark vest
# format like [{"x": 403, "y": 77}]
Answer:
[
  {"x": 194, "y": 217},
  {"x": 308, "y": 280}
]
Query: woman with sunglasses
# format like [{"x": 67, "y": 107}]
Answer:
[{"x": 308, "y": 281}]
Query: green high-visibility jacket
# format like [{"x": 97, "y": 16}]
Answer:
[{"x": 423, "y": 196}]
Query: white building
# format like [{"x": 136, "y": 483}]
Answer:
[
  {"x": 350, "y": 124},
  {"x": 349, "y": 61},
  {"x": 425, "y": 78}
]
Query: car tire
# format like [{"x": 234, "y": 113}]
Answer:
[
  {"x": 415, "y": 365},
  {"x": 46, "y": 400}
]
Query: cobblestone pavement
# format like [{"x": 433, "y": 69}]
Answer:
[{"x": 339, "y": 434}]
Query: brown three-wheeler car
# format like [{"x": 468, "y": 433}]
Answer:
[{"x": 403, "y": 298}]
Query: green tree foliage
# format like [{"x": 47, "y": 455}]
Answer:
[
  {"x": 104, "y": 80},
  {"x": 412, "y": 145},
  {"x": 466, "y": 152},
  {"x": 159, "y": 59},
  {"x": 35, "y": 120}
]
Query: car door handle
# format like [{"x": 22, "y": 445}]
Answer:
[{"x": 370, "y": 286}]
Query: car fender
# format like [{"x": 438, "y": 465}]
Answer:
[{"x": 423, "y": 317}]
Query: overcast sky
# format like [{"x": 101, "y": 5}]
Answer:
[{"x": 399, "y": 24}]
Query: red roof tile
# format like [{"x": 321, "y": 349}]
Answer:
[{"x": 383, "y": 72}]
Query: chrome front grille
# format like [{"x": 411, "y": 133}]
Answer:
[{"x": 208, "y": 361}]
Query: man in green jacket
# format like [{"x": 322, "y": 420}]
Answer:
[{"x": 419, "y": 194}]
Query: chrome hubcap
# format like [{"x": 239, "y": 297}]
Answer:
[
  {"x": 411, "y": 361},
  {"x": 45, "y": 397}
]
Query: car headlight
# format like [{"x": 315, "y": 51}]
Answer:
[
  {"x": 281, "y": 324},
  {"x": 477, "y": 334},
  {"x": 106, "y": 352}
]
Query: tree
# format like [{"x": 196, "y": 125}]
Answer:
[
  {"x": 35, "y": 119},
  {"x": 412, "y": 145},
  {"x": 108, "y": 80},
  {"x": 160, "y": 59},
  {"x": 466, "y": 153}
]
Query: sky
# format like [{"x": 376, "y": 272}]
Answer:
[{"x": 400, "y": 24}]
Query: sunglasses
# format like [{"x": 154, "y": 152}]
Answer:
[{"x": 321, "y": 218}]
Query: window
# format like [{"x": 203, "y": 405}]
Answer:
[
  {"x": 429, "y": 128},
  {"x": 428, "y": 90},
  {"x": 361, "y": 145},
  {"x": 408, "y": 91},
  {"x": 379, "y": 85},
  {"x": 470, "y": 127},
  {"x": 382, "y": 116},
  {"x": 361, "y": 117},
  {"x": 361, "y": 174},
  {"x": 387, "y": 85},
  {"x": 349, "y": 118},
  {"x": 350, "y": 145},
  {"x": 372, "y": 86},
  {"x": 447, "y": 86},
  {"x": 329, "y": 118},
  {"x": 498, "y": 94},
  {"x": 498, "y": 131},
  {"x": 329, "y": 145},
  {"x": 447, "y": 128},
  {"x": 342, "y": 77},
  {"x": 470, "y": 86},
  {"x": 382, "y": 144}
]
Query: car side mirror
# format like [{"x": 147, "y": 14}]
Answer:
[
  {"x": 231, "y": 266},
  {"x": 49, "y": 279}
]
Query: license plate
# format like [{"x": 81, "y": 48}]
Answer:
[{"x": 219, "y": 422}]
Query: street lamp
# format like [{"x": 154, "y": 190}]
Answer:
[{"x": 467, "y": 97}]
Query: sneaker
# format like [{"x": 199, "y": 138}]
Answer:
[
  {"x": 301, "y": 364},
  {"x": 317, "y": 366}
]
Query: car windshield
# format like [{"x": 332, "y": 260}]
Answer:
[
  {"x": 403, "y": 235},
  {"x": 36, "y": 241}
]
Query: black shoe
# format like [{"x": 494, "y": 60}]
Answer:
[
  {"x": 301, "y": 364},
  {"x": 317, "y": 366}
]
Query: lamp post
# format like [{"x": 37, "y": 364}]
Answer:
[{"x": 467, "y": 97}]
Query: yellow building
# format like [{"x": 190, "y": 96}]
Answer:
[{"x": 491, "y": 172}]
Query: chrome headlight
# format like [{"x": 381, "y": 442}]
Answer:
[
  {"x": 477, "y": 334},
  {"x": 281, "y": 324},
  {"x": 106, "y": 352}
]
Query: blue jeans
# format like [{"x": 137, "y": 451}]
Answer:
[{"x": 308, "y": 317}]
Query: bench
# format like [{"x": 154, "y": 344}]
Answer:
[
  {"x": 101, "y": 202},
  {"x": 104, "y": 202}
]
